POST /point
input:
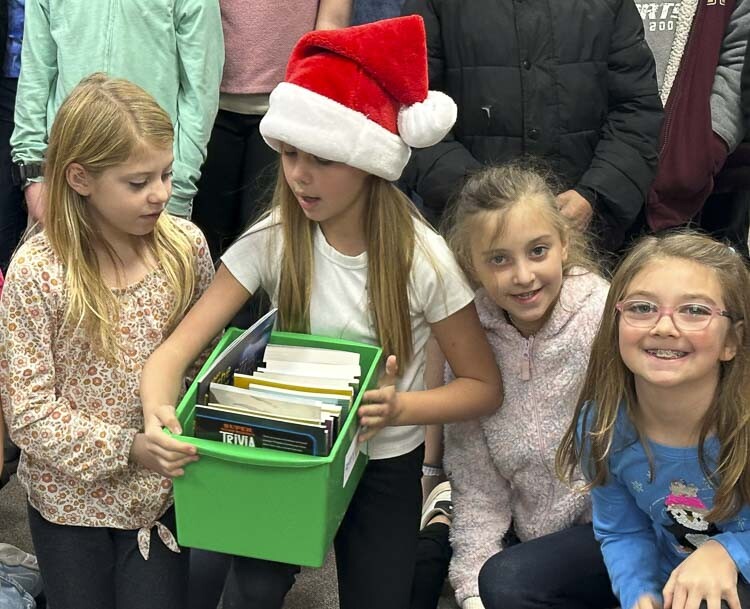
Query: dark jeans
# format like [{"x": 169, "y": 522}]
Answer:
[
  {"x": 236, "y": 179},
  {"x": 434, "y": 553},
  {"x": 375, "y": 546},
  {"x": 102, "y": 568},
  {"x": 12, "y": 209},
  {"x": 564, "y": 569}
]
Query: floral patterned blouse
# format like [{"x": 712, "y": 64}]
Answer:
[{"x": 74, "y": 415}]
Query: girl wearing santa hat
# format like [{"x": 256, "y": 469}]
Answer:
[{"x": 343, "y": 253}]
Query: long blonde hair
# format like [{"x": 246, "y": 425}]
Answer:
[
  {"x": 609, "y": 383},
  {"x": 100, "y": 125},
  {"x": 499, "y": 189},
  {"x": 391, "y": 239}
]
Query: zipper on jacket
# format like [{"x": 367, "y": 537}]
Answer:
[{"x": 526, "y": 359}]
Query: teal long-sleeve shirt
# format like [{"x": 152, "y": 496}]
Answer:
[{"x": 174, "y": 49}]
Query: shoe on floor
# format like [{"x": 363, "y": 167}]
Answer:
[
  {"x": 12, "y": 556},
  {"x": 21, "y": 569},
  {"x": 438, "y": 502}
]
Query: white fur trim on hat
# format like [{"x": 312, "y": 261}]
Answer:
[
  {"x": 426, "y": 123},
  {"x": 321, "y": 126}
]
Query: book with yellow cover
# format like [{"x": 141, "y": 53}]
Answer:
[{"x": 249, "y": 382}]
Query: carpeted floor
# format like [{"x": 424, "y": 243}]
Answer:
[{"x": 315, "y": 588}]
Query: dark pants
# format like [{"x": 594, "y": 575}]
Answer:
[
  {"x": 433, "y": 557},
  {"x": 102, "y": 568},
  {"x": 235, "y": 187},
  {"x": 434, "y": 553},
  {"x": 375, "y": 546},
  {"x": 236, "y": 180},
  {"x": 563, "y": 569},
  {"x": 726, "y": 217},
  {"x": 12, "y": 210}
]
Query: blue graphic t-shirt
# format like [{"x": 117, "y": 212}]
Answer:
[
  {"x": 648, "y": 527},
  {"x": 12, "y": 63}
]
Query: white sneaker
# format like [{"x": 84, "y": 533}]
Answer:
[
  {"x": 21, "y": 569},
  {"x": 12, "y": 556},
  {"x": 437, "y": 502}
]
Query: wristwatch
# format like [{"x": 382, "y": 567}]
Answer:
[{"x": 21, "y": 172}]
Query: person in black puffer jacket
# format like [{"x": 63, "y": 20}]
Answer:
[{"x": 569, "y": 81}]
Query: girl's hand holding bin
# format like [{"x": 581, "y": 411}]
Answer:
[
  {"x": 159, "y": 451},
  {"x": 382, "y": 405},
  {"x": 708, "y": 574}
]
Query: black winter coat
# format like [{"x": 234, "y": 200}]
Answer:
[{"x": 571, "y": 81}]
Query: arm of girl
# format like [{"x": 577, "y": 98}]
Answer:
[
  {"x": 628, "y": 546},
  {"x": 476, "y": 391},
  {"x": 434, "y": 371},
  {"x": 43, "y": 424},
  {"x": 164, "y": 371},
  {"x": 200, "y": 52},
  {"x": 708, "y": 574}
]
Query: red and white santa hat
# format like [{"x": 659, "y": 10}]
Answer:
[{"x": 359, "y": 96}]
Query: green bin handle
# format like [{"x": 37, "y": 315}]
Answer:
[{"x": 264, "y": 457}]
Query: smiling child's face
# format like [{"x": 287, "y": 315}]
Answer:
[{"x": 520, "y": 266}]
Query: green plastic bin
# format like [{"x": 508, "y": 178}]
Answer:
[{"x": 266, "y": 503}]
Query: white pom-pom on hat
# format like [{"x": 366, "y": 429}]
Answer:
[{"x": 426, "y": 123}]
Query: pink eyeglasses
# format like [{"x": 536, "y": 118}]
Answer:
[{"x": 688, "y": 317}]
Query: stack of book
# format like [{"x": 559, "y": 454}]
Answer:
[{"x": 275, "y": 396}]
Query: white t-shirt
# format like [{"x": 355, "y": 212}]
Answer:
[{"x": 338, "y": 304}]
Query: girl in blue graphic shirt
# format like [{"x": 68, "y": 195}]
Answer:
[{"x": 662, "y": 427}]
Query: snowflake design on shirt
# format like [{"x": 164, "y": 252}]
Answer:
[{"x": 637, "y": 486}]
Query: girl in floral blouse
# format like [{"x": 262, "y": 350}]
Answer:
[{"x": 85, "y": 303}]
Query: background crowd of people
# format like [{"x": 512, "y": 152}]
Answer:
[{"x": 506, "y": 181}]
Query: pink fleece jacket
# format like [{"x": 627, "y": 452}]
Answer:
[
  {"x": 258, "y": 39},
  {"x": 502, "y": 467}
]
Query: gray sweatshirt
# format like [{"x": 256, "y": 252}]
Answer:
[{"x": 667, "y": 26}]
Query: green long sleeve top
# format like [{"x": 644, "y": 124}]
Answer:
[{"x": 174, "y": 49}]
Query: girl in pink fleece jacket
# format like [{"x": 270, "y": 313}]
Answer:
[{"x": 540, "y": 302}]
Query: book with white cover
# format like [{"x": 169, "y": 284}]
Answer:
[
  {"x": 234, "y": 396},
  {"x": 274, "y": 393},
  {"x": 341, "y": 371},
  {"x": 311, "y": 355}
]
